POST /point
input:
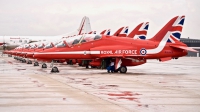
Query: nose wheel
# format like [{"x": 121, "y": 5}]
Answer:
[
  {"x": 36, "y": 64},
  {"x": 29, "y": 62},
  {"x": 23, "y": 60},
  {"x": 54, "y": 70},
  {"x": 44, "y": 65}
]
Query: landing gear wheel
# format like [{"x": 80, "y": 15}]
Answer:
[
  {"x": 123, "y": 69},
  {"x": 54, "y": 70},
  {"x": 87, "y": 66},
  {"x": 29, "y": 62},
  {"x": 36, "y": 64},
  {"x": 44, "y": 65},
  {"x": 23, "y": 61}
]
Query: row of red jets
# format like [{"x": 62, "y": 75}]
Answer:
[{"x": 125, "y": 50}]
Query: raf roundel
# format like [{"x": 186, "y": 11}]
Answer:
[{"x": 143, "y": 51}]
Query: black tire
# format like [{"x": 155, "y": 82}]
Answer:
[
  {"x": 54, "y": 69},
  {"x": 23, "y": 61},
  {"x": 44, "y": 65},
  {"x": 123, "y": 69},
  {"x": 29, "y": 62},
  {"x": 36, "y": 64}
]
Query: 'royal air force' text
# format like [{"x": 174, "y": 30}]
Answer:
[{"x": 119, "y": 52}]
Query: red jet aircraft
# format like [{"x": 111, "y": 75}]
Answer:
[
  {"x": 139, "y": 32},
  {"x": 164, "y": 46}
]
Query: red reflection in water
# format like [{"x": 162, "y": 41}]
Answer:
[
  {"x": 40, "y": 85},
  {"x": 112, "y": 85},
  {"x": 139, "y": 105},
  {"x": 87, "y": 84},
  {"x": 35, "y": 81},
  {"x": 20, "y": 69},
  {"x": 84, "y": 78},
  {"x": 10, "y": 62},
  {"x": 70, "y": 78},
  {"x": 102, "y": 87},
  {"x": 128, "y": 98},
  {"x": 125, "y": 93}
]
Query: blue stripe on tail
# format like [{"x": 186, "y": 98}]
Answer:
[
  {"x": 142, "y": 37},
  {"x": 146, "y": 27},
  {"x": 182, "y": 21}
]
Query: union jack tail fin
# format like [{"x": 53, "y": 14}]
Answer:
[
  {"x": 122, "y": 32},
  {"x": 140, "y": 31},
  {"x": 176, "y": 30},
  {"x": 165, "y": 32},
  {"x": 84, "y": 26},
  {"x": 105, "y": 32},
  {"x": 92, "y": 32},
  {"x": 171, "y": 33}
]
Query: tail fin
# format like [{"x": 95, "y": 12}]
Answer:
[
  {"x": 176, "y": 30},
  {"x": 165, "y": 30},
  {"x": 106, "y": 32},
  {"x": 122, "y": 32},
  {"x": 118, "y": 31},
  {"x": 84, "y": 26},
  {"x": 174, "y": 25},
  {"x": 92, "y": 32},
  {"x": 140, "y": 31},
  {"x": 176, "y": 35}
]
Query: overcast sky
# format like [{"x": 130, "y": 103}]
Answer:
[{"x": 55, "y": 17}]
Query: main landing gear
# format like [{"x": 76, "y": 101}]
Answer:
[
  {"x": 23, "y": 60},
  {"x": 44, "y": 65},
  {"x": 29, "y": 62},
  {"x": 122, "y": 69},
  {"x": 36, "y": 64},
  {"x": 54, "y": 69}
]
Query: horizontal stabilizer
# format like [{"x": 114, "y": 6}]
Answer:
[{"x": 184, "y": 48}]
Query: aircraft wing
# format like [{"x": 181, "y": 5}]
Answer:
[{"x": 184, "y": 48}]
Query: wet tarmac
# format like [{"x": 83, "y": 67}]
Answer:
[{"x": 172, "y": 86}]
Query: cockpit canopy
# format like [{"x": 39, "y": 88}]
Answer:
[
  {"x": 79, "y": 39},
  {"x": 40, "y": 46},
  {"x": 26, "y": 46},
  {"x": 48, "y": 45},
  {"x": 61, "y": 44},
  {"x": 33, "y": 46}
]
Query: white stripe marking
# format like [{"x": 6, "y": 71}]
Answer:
[
  {"x": 160, "y": 46},
  {"x": 119, "y": 63},
  {"x": 71, "y": 52},
  {"x": 171, "y": 40}
]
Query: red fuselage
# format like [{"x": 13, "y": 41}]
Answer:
[{"x": 111, "y": 46}]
